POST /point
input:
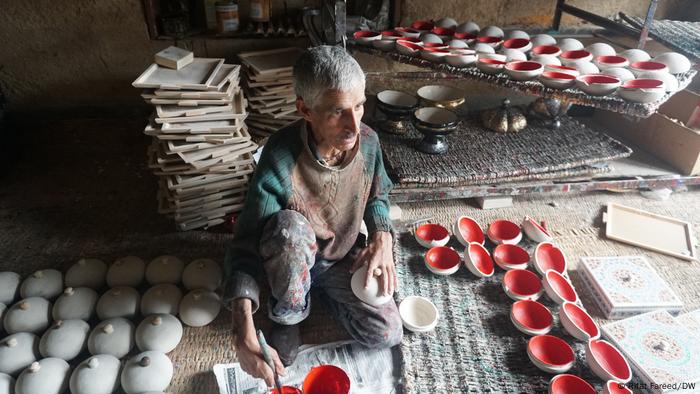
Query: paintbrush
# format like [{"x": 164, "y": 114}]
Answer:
[{"x": 268, "y": 360}]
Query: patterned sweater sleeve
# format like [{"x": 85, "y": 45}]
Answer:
[
  {"x": 268, "y": 193},
  {"x": 376, "y": 214}
]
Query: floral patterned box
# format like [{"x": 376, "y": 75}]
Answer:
[
  {"x": 664, "y": 355},
  {"x": 691, "y": 321},
  {"x": 624, "y": 286}
]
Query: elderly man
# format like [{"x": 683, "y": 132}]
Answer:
[{"x": 315, "y": 183}]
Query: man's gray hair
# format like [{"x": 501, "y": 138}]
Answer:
[{"x": 325, "y": 67}]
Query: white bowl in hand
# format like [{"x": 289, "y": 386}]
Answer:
[{"x": 372, "y": 295}]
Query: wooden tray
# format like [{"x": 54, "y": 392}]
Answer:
[
  {"x": 229, "y": 89},
  {"x": 271, "y": 61},
  {"x": 196, "y": 76},
  {"x": 173, "y": 111},
  {"x": 651, "y": 231},
  {"x": 226, "y": 73}
]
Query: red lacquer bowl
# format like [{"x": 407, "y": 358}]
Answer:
[{"x": 326, "y": 379}]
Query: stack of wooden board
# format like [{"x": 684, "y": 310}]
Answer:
[
  {"x": 269, "y": 87},
  {"x": 201, "y": 149}
]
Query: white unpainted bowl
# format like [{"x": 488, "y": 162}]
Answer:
[
  {"x": 370, "y": 295},
  {"x": 675, "y": 62},
  {"x": 457, "y": 44},
  {"x": 599, "y": 362},
  {"x": 446, "y": 23},
  {"x": 461, "y": 59},
  {"x": 598, "y": 84},
  {"x": 408, "y": 48},
  {"x": 562, "y": 69},
  {"x": 558, "y": 288},
  {"x": 586, "y": 68},
  {"x": 513, "y": 54},
  {"x": 569, "y": 44},
  {"x": 577, "y": 322},
  {"x": 418, "y": 314},
  {"x": 635, "y": 55},
  {"x": 650, "y": 91},
  {"x": 601, "y": 49},
  {"x": 517, "y": 34},
  {"x": 384, "y": 45},
  {"x": 542, "y": 39},
  {"x": 430, "y": 38},
  {"x": 546, "y": 60},
  {"x": 532, "y": 229},
  {"x": 491, "y": 31},
  {"x": 622, "y": 74},
  {"x": 480, "y": 47},
  {"x": 490, "y": 66},
  {"x": 670, "y": 80},
  {"x": 468, "y": 27}
]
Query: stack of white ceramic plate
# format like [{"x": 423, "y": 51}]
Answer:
[
  {"x": 269, "y": 87},
  {"x": 201, "y": 148}
]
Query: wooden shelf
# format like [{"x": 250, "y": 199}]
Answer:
[{"x": 573, "y": 96}]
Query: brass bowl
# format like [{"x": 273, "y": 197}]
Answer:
[{"x": 441, "y": 96}]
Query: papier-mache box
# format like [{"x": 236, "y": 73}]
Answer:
[
  {"x": 624, "y": 286},
  {"x": 691, "y": 321},
  {"x": 174, "y": 57},
  {"x": 664, "y": 355}
]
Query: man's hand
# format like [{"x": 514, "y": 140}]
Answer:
[
  {"x": 379, "y": 256},
  {"x": 247, "y": 346}
]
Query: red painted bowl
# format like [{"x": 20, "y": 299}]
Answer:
[
  {"x": 522, "y": 285},
  {"x": 366, "y": 37},
  {"x": 492, "y": 41},
  {"x": 550, "y": 353},
  {"x": 558, "y": 288},
  {"x": 607, "y": 362},
  {"x": 504, "y": 231},
  {"x": 577, "y": 322},
  {"x": 549, "y": 257},
  {"x": 434, "y": 45},
  {"x": 604, "y": 62},
  {"x": 442, "y": 260},
  {"x": 562, "y": 69},
  {"x": 643, "y": 84},
  {"x": 467, "y": 230},
  {"x": 613, "y": 387},
  {"x": 430, "y": 235},
  {"x": 478, "y": 260},
  {"x": 648, "y": 66},
  {"x": 422, "y": 25},
  {"x": 521, "y": 44},
  {"x": 571, "y": 57},
  {"x": 552, "y": 50},
  {"x": 407, "y": 32},
  {"x": 442, "y": 31},
  {"x": 465, "y": 36},
  {"x": 511, "y": 257},
  {"x": 391, "y": 35},
  {"x": 531, "y": 317},
  {"x": 286, "y": 390},
  {"x": 536, "y": 231},
  {"x": 326, "y": 379},
  {"x": 569, "y": 384}
]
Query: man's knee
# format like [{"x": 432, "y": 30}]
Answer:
[{"x": 287, "y": 230}]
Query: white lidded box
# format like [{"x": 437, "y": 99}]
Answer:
[
  {"x": 174, "y": 57},
  {"x": 623, "y": 286},
  {"x": 663, "y": 353}
]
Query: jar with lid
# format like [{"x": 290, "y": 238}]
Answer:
[{"x": 226, "y": 16}]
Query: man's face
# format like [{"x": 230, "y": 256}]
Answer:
[{"x": 335, "y": 119}]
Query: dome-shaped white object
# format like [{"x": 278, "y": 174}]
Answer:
[
  {"x": 43, "y": 283},
  {"x": 96, "y": 375},
  {"x": 126, "y": 271},
  {"x": 460, "y": 44},
  {"x": 163, "y": 298},
  {"x": 480, "y": 47},
  {"x": 7, "y": 384},
  {"x": 430, "y": 38},
  {"x": 585, "y": 68},
  {"x": 491, "y": 31},
  {"x": 513, "y": 55},
  {"x": 164, "y": 269},
  {"x": 113, "y": 336},
  {"x": 542, "y": 39},
  {"x": 3, "y": 308},
  {"x": 47, "y": 376},
  {"x": 620, "y": 73},
  {"x": 635, "y": 55},
  {"x": 569, "y": 44},
  {"x": 9, "y": 287},
  {"x": 65, "y": 339},
  {"x": 546, "y": 60},
  {"x": 202, "y": 274},
  {"x": 468, "y": 27},
  {"x": 75, "y": 303},
  {"x": 31, "y": 314},
  {"x": 600, "y": 49},
  {"x": 18, "y": 351},
  {"x": 447, "y": 23},
  {"x": 517, "y": 34},
  {"x": 370, "y": 295},
  {"x": 675, "y": 62},
  {"x": 118, "y": 302},
  {"x": 87, "y": 273},
  {"x": 147, "y": 371},
  {"x": 161, "y": 332},
  {"x": 199, "y": 308}
]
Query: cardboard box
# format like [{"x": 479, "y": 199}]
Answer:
[{"x": 662, "y": 134}]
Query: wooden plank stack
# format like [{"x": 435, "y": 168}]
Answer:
[
  {"x": 201, "y": 149},
  {"x": 269, "y": 87}
]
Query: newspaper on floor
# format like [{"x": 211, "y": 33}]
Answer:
[{"x": 371, "y": 371}]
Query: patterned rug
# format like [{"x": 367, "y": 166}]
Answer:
[{"x": 475, "y": 347}]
